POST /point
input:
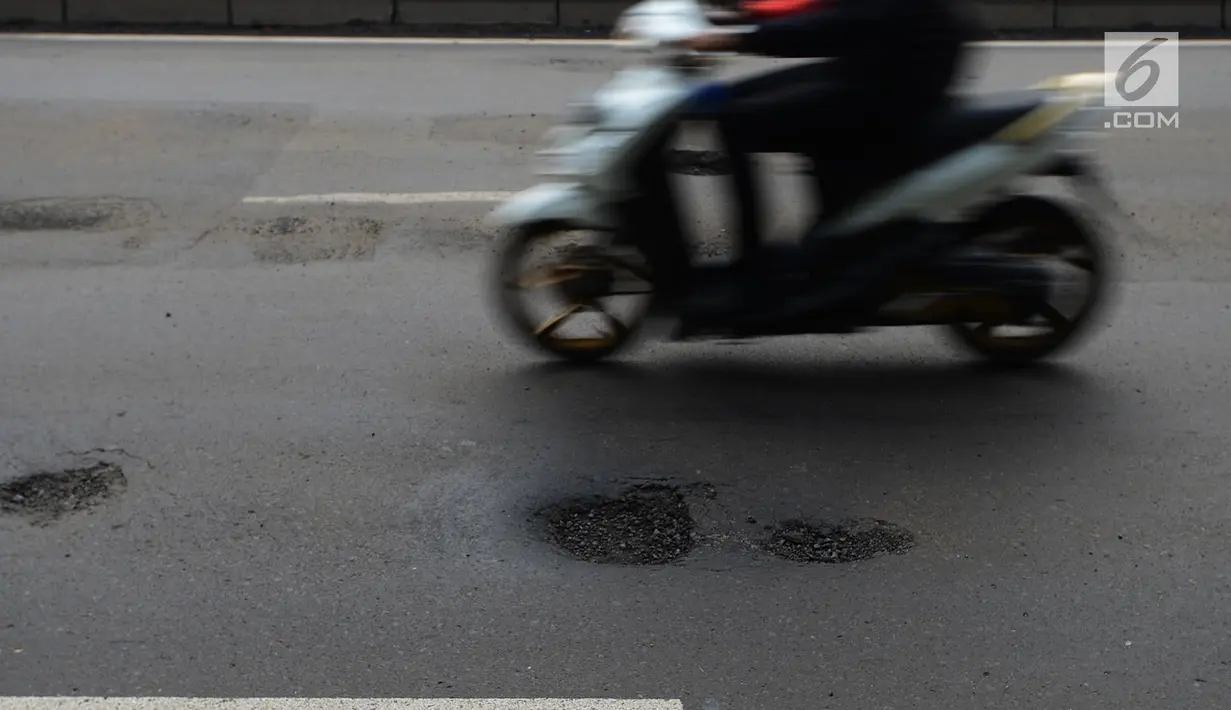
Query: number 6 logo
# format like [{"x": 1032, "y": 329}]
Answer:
[{"x": 1134, "y": 63}]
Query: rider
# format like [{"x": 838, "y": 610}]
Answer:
[{"x": 890, "y": 62}]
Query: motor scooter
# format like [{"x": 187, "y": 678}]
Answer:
[{"x": 951, "y": 237}]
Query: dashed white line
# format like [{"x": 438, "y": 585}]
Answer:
[
  {"x": 378, "y": 198},
  {"x": 155, "y": 703}
]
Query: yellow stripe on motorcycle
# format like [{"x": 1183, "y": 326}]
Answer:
[{"x": 1036, "y": 123}]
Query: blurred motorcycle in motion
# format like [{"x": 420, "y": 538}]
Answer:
[{"x": 950, "y": 236}]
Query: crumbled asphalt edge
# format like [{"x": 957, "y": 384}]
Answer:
[
  {"x": 500, "y": 31},
  {"x": 49, "y": 496},
  {"x": 644, "y": 524},
  {"x": 839, "y": 542}
]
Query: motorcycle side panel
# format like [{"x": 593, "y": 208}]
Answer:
[
  {"x": 569, "y": 203},
  {"x": 950, "y": 185}
]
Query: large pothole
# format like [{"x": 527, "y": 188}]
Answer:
[
  {"x": 845, "y": 541},
  {"x": 46, "y": 497},
  {"x": 643, "y": 525}
]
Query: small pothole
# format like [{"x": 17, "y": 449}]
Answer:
[
  {"x": 845, "y": 541},
  {"x": 644, "y": 525},
  {"x": 295, "y": 239},
  {"x": 47, "y": 215},
  {"x": 48, "y": 496}
]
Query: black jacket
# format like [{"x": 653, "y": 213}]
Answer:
[{"x": 916, "y": 46}]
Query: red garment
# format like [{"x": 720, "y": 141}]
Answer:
[{"x": 771, "y": 9}]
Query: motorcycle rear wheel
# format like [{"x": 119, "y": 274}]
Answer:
[
  {"x": 583, "y": 277},
  {"x": 1047, "y": 229}
]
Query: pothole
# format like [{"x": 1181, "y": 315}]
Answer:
[
  {"x": 644, "y": 525},
  {"x": 48, "y": 496},
  {"x": 295, "y": 239},
  {"x": 845, "y": 541},
  {"x": 52, "y": 215}
]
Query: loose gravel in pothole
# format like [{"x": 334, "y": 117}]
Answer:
[
  {"x": 847, "y": 541},
  {"x": 49, "y": 496},
  {"x": 293, "y": 239},
  {"x": 645, "y": 525}
]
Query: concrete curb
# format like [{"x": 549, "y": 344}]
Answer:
[{"x": 390, "y": 16}]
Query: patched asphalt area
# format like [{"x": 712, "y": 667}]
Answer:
[
  {"x": 48, "y": 496},
  {"x": 837, "y": 542},
  {"x": 300, "y": 238}
]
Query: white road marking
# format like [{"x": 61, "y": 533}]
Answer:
[
  {"x": 465, "y": 41},
  {"x": 290, "y": 39},
  {"x": 88, "y": 703},
  {"x": 378, "y": 198}
]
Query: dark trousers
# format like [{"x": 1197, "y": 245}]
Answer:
[{"x": 849, "y": 128}]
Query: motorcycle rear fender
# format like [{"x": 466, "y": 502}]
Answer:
[{"x": 568, "y": 203}]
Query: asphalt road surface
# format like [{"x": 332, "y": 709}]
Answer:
[{"x": 331, "y": 455}]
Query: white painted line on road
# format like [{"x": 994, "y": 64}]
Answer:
[
  {"x": 287, "y": 39},
  {"x": 468, "y": 41},
  {"x": 98, "y": 703},
  {"x": 379, "y": 198}
]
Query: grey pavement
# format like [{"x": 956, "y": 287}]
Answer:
[{"x": 332, "y": 454}]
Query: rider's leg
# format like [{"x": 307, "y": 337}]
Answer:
[{"x": 778, "y": 112}]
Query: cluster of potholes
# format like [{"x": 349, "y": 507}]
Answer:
[
  {"x": 46, "y": 497},
  {"x": 646, "y": 524},
  {"x": 653, "y": 524}
]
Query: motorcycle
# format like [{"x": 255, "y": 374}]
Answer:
[{"x": 950, "y": 238}]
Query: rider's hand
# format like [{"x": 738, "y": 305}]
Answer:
[
  {"x": 726, "y": 17},
  {"x": 712, "y": 42}
]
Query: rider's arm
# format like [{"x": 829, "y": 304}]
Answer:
[{"x": 833, "y": 29}]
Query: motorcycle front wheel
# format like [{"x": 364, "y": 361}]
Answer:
[{"x": 584, "y": 278}]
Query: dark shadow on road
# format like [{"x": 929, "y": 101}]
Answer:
[
  {"x": 778, "y": 438},
  {"x": 814, "y": 400},
  {"x": 625, "y": 415}
]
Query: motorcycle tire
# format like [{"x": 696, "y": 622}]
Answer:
[
  {"x": 1051, "y": 226},
  {"x": 511, "y": 249}
]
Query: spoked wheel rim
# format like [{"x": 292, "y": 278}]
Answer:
[
  {"x": 587, "y": 279},
  {"x": 1056, "y": 242}
]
